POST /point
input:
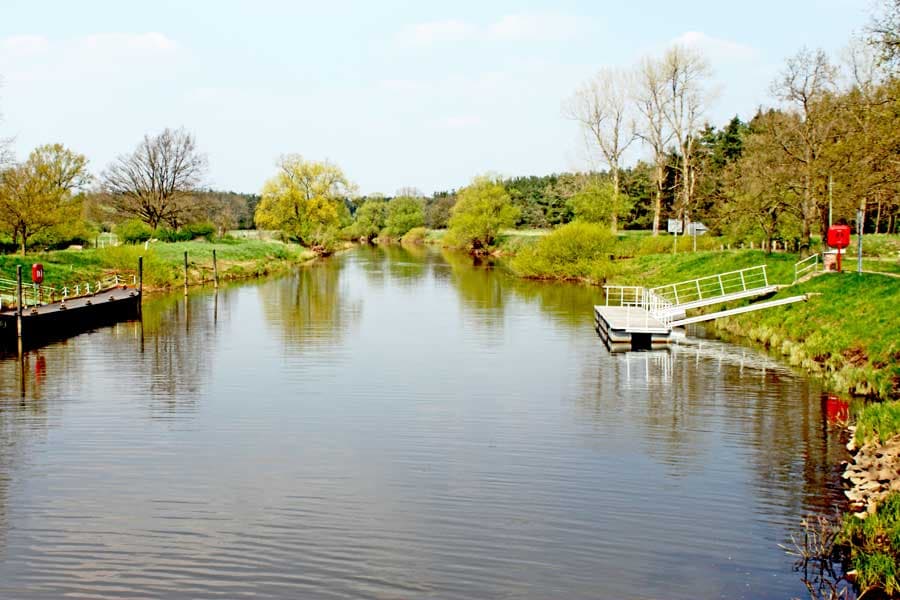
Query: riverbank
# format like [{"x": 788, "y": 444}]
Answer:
[
  {"x": 163, "y": 262},
  {"x": 848, "y": 334}
]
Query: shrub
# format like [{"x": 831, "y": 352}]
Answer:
[
  {"x": 575, "y": 250},
  {"x": 416, "y": 235},
  {"x": 204, "y": 230},
  {"x": 133, "y": 231}
]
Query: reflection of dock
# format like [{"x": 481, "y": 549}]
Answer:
[{"x": 659, "y": 365}]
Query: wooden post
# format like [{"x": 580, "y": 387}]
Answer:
[
  {"x": 215, "y": 271},
  {"x": 185, "y": 273},
  {"x": 140, "y": 286},
  {"x": 19, "y": 300}
]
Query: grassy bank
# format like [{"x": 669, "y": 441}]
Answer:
[{"x": 163, "y": 262}]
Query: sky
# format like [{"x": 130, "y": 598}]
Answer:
[{"x": 397, "y": 93}]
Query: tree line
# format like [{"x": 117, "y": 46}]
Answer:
[
  {"x": 50, "y": 199},
  {"x": 825, "y": 150}
]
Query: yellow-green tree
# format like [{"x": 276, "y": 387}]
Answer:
[
  {"x": 481, "y": 211},
  {"x": 38, "y": 193},
  {"x": 305, "y": 200}
]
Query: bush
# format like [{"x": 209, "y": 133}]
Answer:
[
  {"x": 204, "y": 230},
  {"x": 133, "y": 231},
  {"x": 416, "y": 235},
  {"x": 576, "y": 250}
]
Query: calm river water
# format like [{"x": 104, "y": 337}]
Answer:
[{"x": 395, "y": 423}]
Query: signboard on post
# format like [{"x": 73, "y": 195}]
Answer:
[{"x": 675, "y": 226}]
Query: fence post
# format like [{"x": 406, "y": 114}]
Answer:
[
  {"x": 19, "y": 300},
  {"x": 185, "y": 273},
  {"x": 215, "y": 271},
  {"x": 140, "y": 283}
]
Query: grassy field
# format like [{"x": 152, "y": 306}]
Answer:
[{"x": 163, "y": 262}]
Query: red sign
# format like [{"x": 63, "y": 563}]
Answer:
[
  {"x": 37, "y": 273},
  {"x": 838, "y": 236}
]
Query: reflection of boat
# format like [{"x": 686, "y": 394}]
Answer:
[{"x": 60, "y": 319}]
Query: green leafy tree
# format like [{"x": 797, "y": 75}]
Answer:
[
  {"x": 305, "y": 200},
  {"x": 437, "y": 213},
  {"x": 597, "y": 201},
  {"x": 403, "y": 214},
  {"x": 481, "y": 211},
  {"x": 37, "y": 195},
  {"x": 370, "y": 219}
]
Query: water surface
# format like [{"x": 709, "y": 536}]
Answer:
[{"x": 397, "y": 423}]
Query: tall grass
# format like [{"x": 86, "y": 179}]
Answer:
[
  {"x": 874, "y": 546},
  {"x": 877, "y": 422}
]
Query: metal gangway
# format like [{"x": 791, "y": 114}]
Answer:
[{"x": 668, "y": 304}]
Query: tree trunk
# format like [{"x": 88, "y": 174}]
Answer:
[
  {"x": 614, "y": 221},
  {"x": 878, "y": 217},
  {"x": 24, "y": 242},
  {"x": 657, "y": 208}
]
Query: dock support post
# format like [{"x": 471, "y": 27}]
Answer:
[
  {"x": 185, "y": 273},
  {"x": 215, "y": 271},
  {"x": 140, "y": 284},
  {"x": 19, "y": 300}
]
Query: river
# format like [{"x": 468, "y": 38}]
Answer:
[{"x": 401, "y": 423}]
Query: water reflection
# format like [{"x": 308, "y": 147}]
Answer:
[
  {"x": 311, "y": 310},
  {"x": 399, "y": 422}
]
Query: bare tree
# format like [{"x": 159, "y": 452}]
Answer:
[
  {"x": 651, "y": 99},
  {"x": 686, "y": 73},
  {"x": 884, "y": 33},
  {"x": 805, "y": 86},
  {"x": 601, "y": 108},
  {"x": 156, "y": 181}
]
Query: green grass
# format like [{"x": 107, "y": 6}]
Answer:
[
  {"x": 849, "y": 331},
  {"x": 877, "y": 422},
  {"x": 874, "y": 546},
  {"x": 163, "y": 263}
]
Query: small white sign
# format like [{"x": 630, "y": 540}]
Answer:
[{"x": 675, "y": 226}]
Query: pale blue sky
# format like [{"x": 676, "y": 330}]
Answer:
[{"x": 398, "y": 93}]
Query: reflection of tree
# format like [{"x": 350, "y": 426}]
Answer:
[
  {"x": 479, "y": 286},
  {"x": 402, "y": 265},
  {"x": 313, "y": 308}
]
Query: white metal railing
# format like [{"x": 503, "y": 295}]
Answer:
[
  {"x": 713, "y": 286},
  {"x": 624, "y": 295},
  {"x": 810, "y": 264},
  {"x": 654, "y": 306}
]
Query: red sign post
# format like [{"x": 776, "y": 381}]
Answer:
[{"x": 838, "y": 237}]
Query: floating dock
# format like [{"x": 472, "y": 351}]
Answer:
[
  {"x": 63, "y": 318},
  {"x": 637, "y": 318},
  {"x": 630, "y": 328}
]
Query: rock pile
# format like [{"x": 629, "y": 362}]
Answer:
[{"x": 873, "y": 473}]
